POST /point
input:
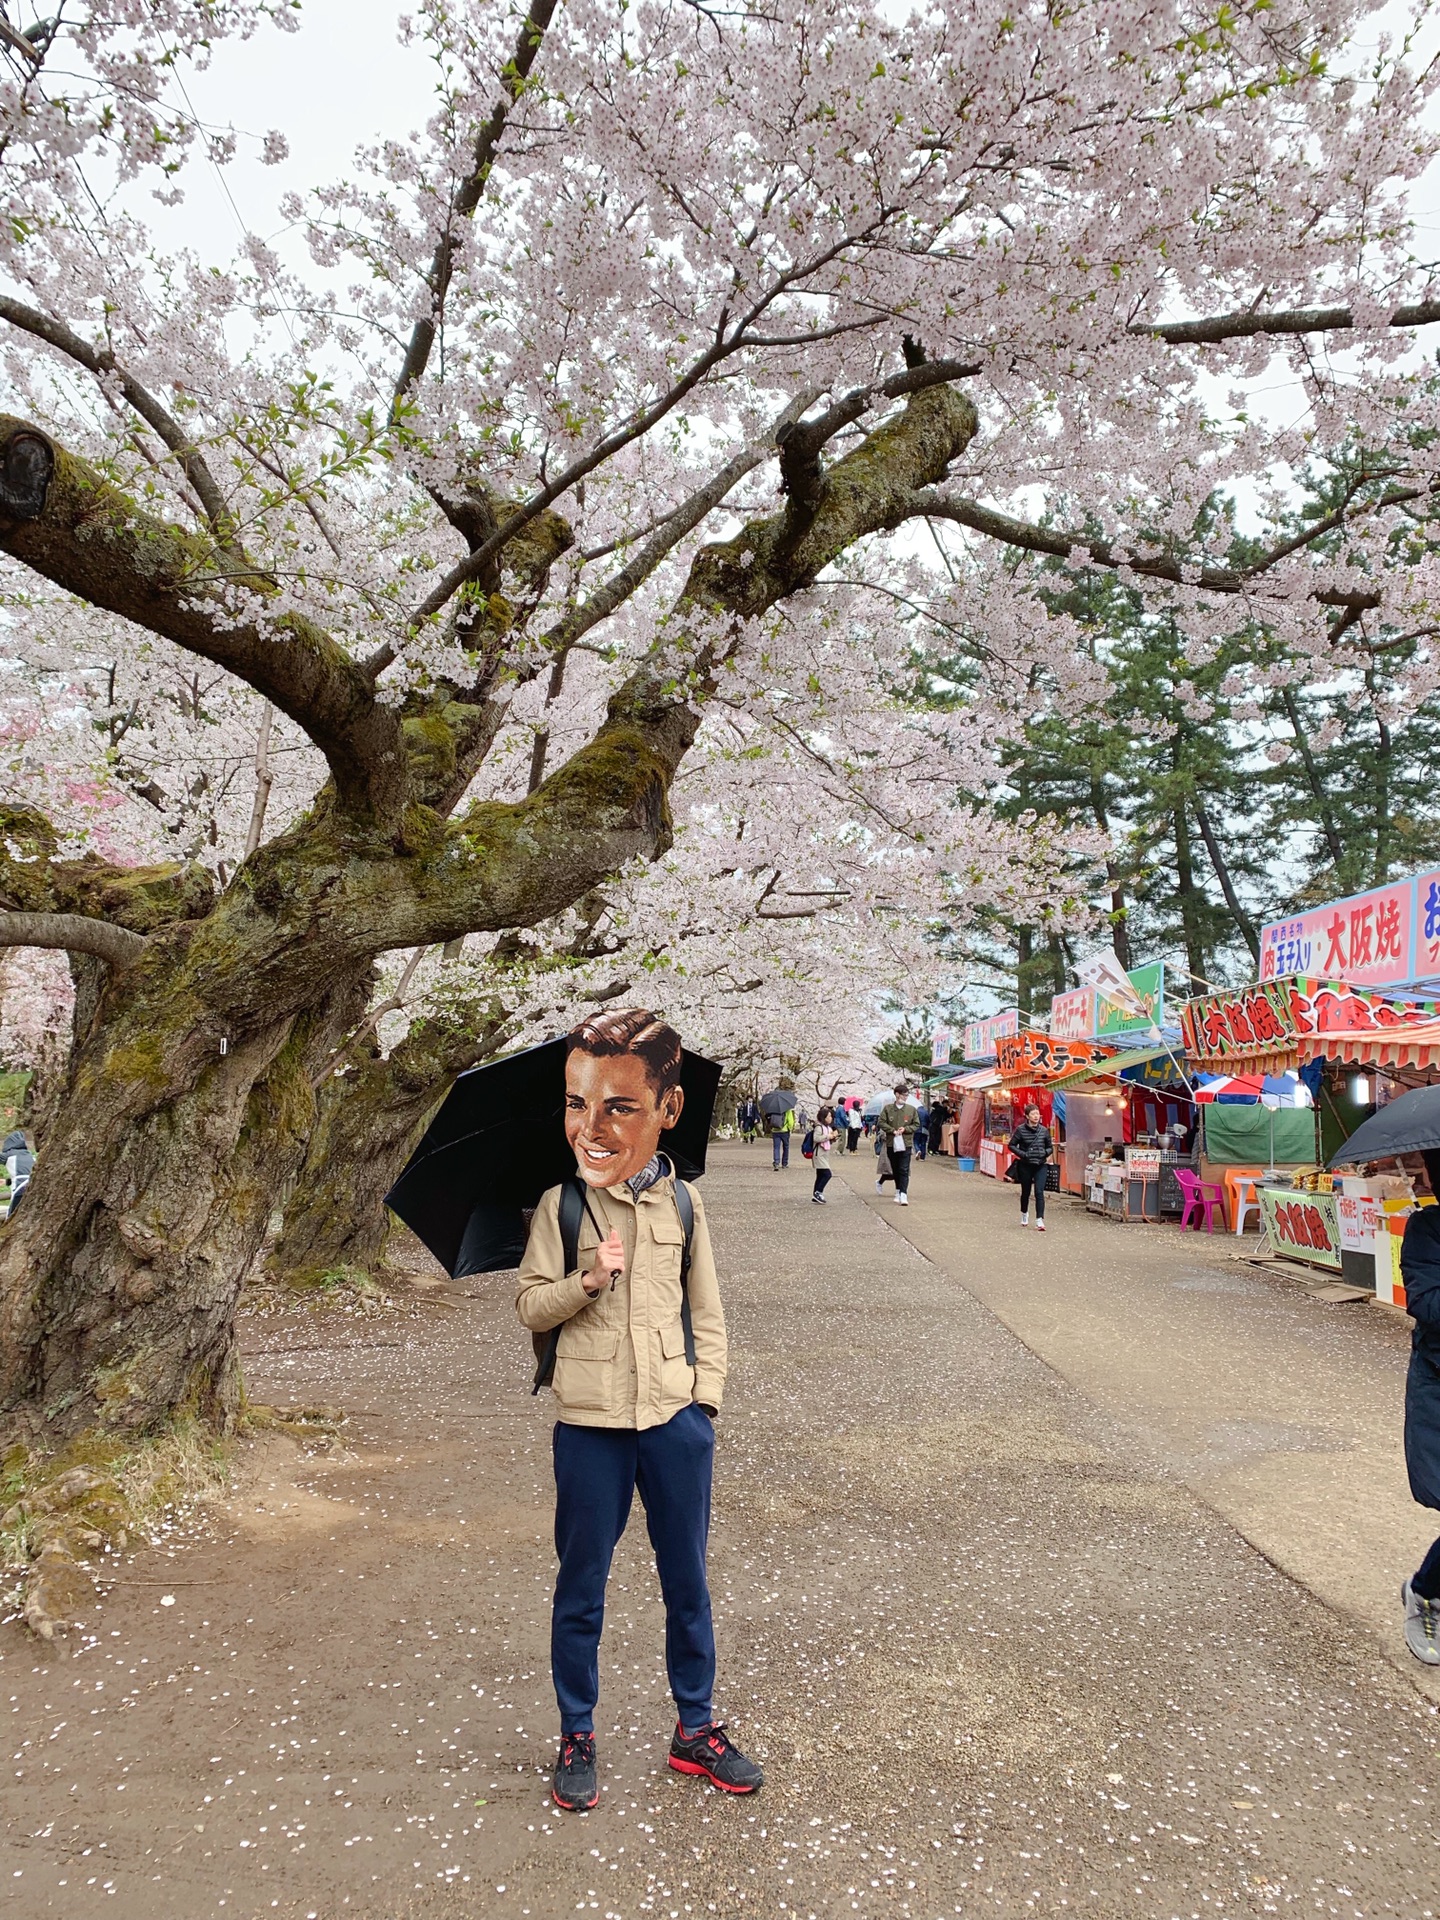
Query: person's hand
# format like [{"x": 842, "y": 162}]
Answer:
[{"x": 609, "y": 1264}]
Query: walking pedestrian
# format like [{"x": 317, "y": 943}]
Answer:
[
  {"x": 896, "y": 1126},
  {"x": 1420, "y": 1269},
  {"x": 854, "y": 1125},
  {"x": 1031, "y": 1147},
  {"x": 750, "y": 1122},
  {"x": 778, "y": 1110},
  {"x": 639, "y": 1375},
  {"x": 922, "y": 1127},
  {"x": 822, "y": 1139}
]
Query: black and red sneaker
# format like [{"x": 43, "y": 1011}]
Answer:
[
  {"x": 575, "y": 1786},
  {"x": 708, "y": 1752}
]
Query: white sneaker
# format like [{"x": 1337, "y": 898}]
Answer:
[
  {"x": 904, "y": 1199},
  {"x": 879, "y": 1186},
  {"x": 1040, "y": 1226},
  {"x": 1024, "y": 1219}
]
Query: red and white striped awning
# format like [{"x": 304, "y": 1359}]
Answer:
[{"x": 1417, "y": 1046}]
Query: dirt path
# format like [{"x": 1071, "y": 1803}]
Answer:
[{"x": 995, "y": 1661}]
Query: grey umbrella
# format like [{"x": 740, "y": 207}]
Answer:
[{"x": 1410, "y": 1124}]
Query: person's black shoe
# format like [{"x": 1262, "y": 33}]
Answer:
[
  {"x": 575, "y": 1786},
  {"x": 708, "y": 1752}
]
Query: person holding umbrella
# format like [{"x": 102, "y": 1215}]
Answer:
[{"x": 636, "y": 1410}]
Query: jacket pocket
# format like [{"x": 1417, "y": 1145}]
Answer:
[
  {"x": 677, "y": 1376},
  {"x": 585, "y": 1363},
  {"x": 667, "y": 1244}
]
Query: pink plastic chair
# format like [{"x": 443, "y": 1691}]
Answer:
[{"x": 1201, "y": 1196}]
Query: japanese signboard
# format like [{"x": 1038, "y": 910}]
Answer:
[
  {"x": 1235, "y": 1026},
  {"x": 1027, "y": 1059},
  {"x": 1148, "y": 984},
  {"x": 1142, "y": 1163},
  {"x": 1282, "y": 1017},
  {"x": 1072, "y": 1015},
  {"x": 1302, "y": 1226},
  {"x": 1427, "y": 926},
  {"x": 1368, "y": 939},
  {"x": 981, "y": 1035},
  {"x": 940, "y": 1047},
  {"x": 1359, "y": 1217}
]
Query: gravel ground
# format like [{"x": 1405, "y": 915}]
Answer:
[{"x": 994, "y": 1658}]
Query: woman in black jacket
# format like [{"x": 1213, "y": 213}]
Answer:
[
  {"x": 1420, "y": 1269},
  {"x": 1031, "y": 1146}
]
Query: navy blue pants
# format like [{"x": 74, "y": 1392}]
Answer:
[{"x": 597, "y": 1470}]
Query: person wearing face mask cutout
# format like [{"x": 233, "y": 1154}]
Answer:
[{"x": 633, "y": 1414}]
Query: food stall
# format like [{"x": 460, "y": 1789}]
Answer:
[
  {"x": 1337, "y": 1224},
  {"x": 1030, "y": 1065},
  {"x": 1128, "y": 1125}
]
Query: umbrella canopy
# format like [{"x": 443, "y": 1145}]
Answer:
[
  {"x": 1281, "y": 1088},
  {"x": 499, "y": 1142},
  {"x": 1410, "y": 1124},
  {"x": 779, "y": 1100}
]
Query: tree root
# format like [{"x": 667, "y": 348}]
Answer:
[
  {"x": 301, "y": 1423},
  {"x": 59, "y": 1511}
]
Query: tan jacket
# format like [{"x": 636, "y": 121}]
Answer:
[{"x": 621, "y": 1359}]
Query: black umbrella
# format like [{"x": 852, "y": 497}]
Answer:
[
  {"x": 499, "y": 1142},
  {"x": 1410, "y": 1124}
]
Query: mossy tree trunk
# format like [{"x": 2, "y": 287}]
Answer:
[{"x": 370, "y": 1120}]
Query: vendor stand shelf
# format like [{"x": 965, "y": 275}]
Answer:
[{"x": 1134, "y": 1188}]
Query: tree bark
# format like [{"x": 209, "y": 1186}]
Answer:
[
  {"x": 1119, "y": 911},
  {"x": 1312, "y": 775},
  {"x": 1185, "y": 884},
  {"x": 120, "y": 1276},
  {"x": 1221, "y": 866},
  {"x": 370, "y": 1121}
]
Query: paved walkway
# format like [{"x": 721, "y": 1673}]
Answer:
[
  {"x": 1280, "y": 1411},
  {"x": 997, "y": 1656}
]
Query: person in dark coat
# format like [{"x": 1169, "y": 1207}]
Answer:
[
  {"x": 1420, "y": 1270},
  {"x": 1031, "y": 1146}
]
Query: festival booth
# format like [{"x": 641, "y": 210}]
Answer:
[
  {"x": 967, "y": 1129},
  {"x": 1330, "y": 1032},
  {"x": 1128, "y": 1126},
  {"x": 979, "y": 1123},
  {"x": 1128, "y": 1116},
  {"x": 1030, "y": 1065}
]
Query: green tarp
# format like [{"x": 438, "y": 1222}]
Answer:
[{"x": 1239, "y": 1136}]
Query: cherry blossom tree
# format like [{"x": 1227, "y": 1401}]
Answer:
[{"x": 684, "y": 355}]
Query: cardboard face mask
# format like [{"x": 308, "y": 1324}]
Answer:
[{"x": 614, "y": 1115}]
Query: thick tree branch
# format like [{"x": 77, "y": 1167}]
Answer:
[
  {"x": 73, "y": 933},
  {"x": 1246, "y": 325},
  {"x": 142, "y": 899},
  {"x": 86, "y": 536},
  {"x": 801, "y": 444},
  {"x": 102, "y": 363},
  {"x": 1102, "y": 553},
  {"x": 510, "y": 865},
  {"x": 466, "y": 198}
]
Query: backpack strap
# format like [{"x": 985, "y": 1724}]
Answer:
[
  {"x": 574, "y": 1205},
  {"x": 685, "y": 1206}
]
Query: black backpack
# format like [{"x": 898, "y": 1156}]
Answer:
[{"x": 574, "y": 1205}]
